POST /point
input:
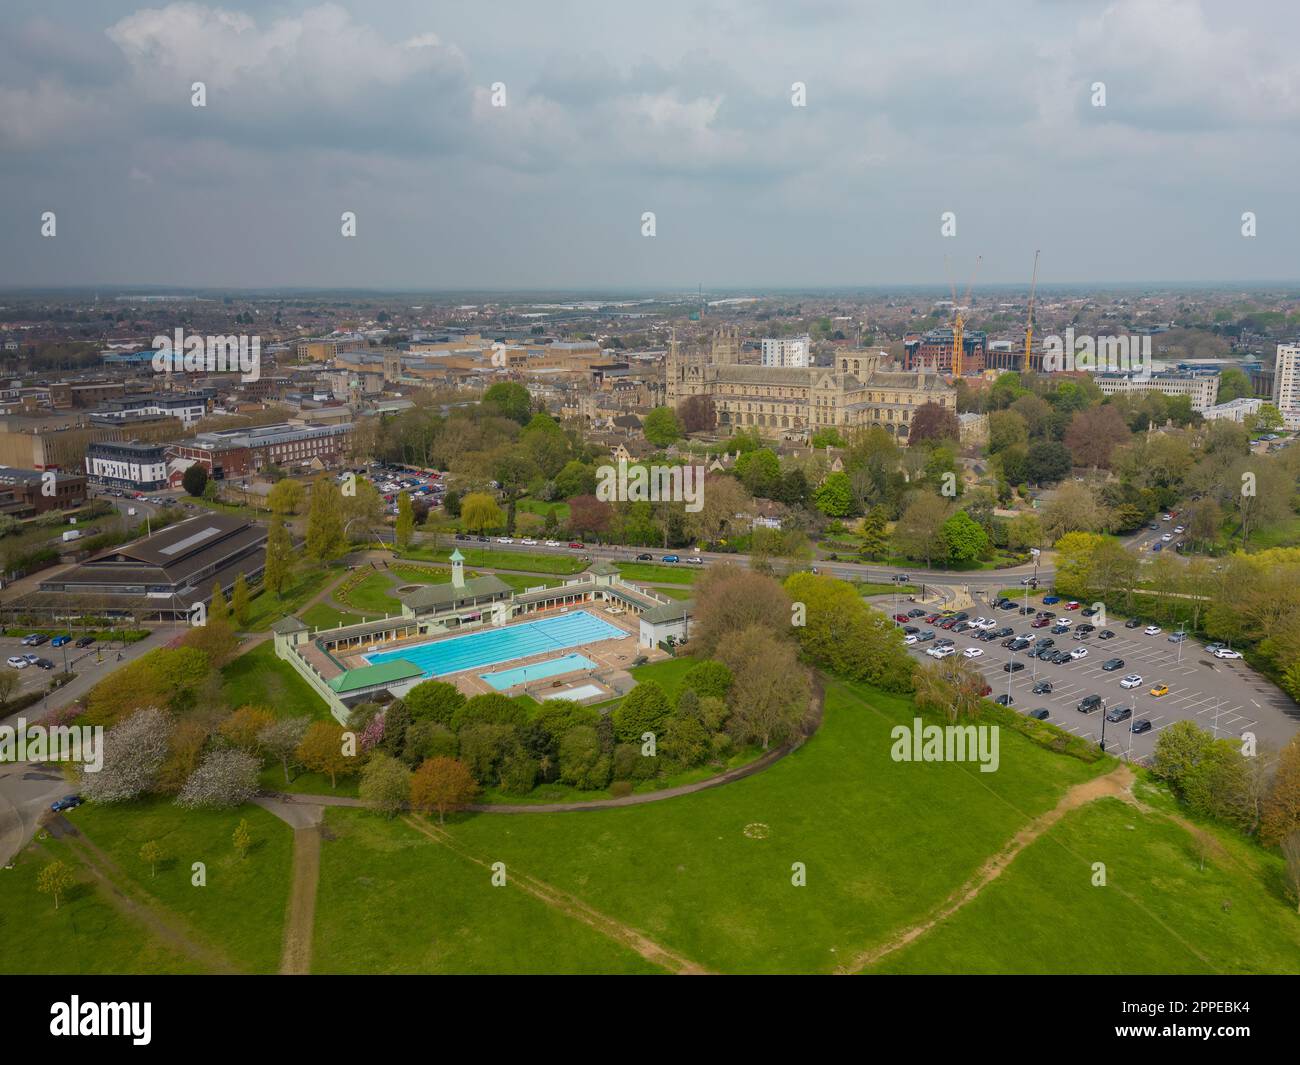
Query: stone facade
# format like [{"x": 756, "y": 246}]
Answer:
[{"x": 795, "y": 402}]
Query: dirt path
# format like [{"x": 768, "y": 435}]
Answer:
[
  {"x": 574, "y": 907},
  {"x": 138, "y": 905},
  {"x": 295, "y": 955},
  {"x": 1115, "y": 784}
]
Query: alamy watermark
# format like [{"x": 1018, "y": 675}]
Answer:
[
  {"x": 920, "y": 742},
  {"x": 208, "y": 354},
  {"x": 651, "y": 484},
  {"x": 1104, "y": 354},
  {"x": 53, "y": 743}
]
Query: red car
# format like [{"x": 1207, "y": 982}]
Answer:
[
  {"x": 931, "y": 618},
  {"x": 574, "y": 543},
  {"x": 902, "y": 617},
  {"x": 987, "y": 690},
  {"x": 1040, "y": 623},
  {"x": 1071, "y": 605}
]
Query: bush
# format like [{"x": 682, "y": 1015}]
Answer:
[
  {"x": 518, "y": 773},
  {"x": 494, "y": 709},
  {"x": 644, "y": 709},
  {"x": 620, "y": 789}
]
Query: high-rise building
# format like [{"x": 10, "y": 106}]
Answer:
[
  {"x": 1286, "y": 384},
  {"x": 789, "y": 352}
]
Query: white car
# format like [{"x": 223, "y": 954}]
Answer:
[
  {"x": 909, "y": 640},
  {"x": 1180, "y": 529},
  {"x": 1166, "y": 517},
  {"x": 1131, "y": 681},
  {"x": 1079, "y": 652},
  {"x": 17, "y": 663},
  {"x": 1226, "y": 652},
  {"x": 529, "y": 541},
  {"x": 1167, "y": 537},
  {"x": 1152, "y": 630},
  {"x": 553, "y": 543},
  {"x": 973, "y": 652},
  {"x": 504, "y": 540},
  {"x": 989, "y": 623},
  {"x": 941, "y": 652}
]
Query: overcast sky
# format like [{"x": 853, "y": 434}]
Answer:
[{"x": 613, "y": 109}]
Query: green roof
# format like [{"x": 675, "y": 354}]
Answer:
[{"x": 367, "y": 676}]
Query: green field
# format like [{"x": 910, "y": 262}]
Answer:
[
  {"x": 239, "y": 914},
  {"x": 323, "y": 616},
  {"x": 374, "y": 913},
  {"x": 1159, "y": 911},
  {"x": 265, "y": 609},
  {"x": 654, "y": 573},
  {"x": 537, "y": 506},
  {"x": 371, "y": 596},
  {"x": 490, "y": 558},
  {"x": 258, "y": 678}
]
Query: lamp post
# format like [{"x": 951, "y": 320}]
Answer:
[{"x": 1103, "y": 725}]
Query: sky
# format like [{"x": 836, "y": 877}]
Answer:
[{"x": 683, "y": 108}]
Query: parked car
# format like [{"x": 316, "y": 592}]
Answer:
[
  {"x": 1043, "y": 687},
  {"x": 922, "y": 637},
  {"x": 1141, "y": 725},
  {"x": 1073, "y": 604},
  {"x": 1088, "y": 704},
  {"x": 1079, "y": 652},
  {"x": 68, "y": 802},
  {"x": 1226, "y": 652},
  {"x": 1132, "y": 623},
  {"x": 1177, "y": 637},
  {"x": 1048, "y": 600},
  {"x": 1013, "y": 667},
  {"x": 671, "y": 558},
  {"x": 1151, "y": 630},
  {"x": 17, "y": 662},
  {"x": 1004, "y": 700},
  {"x": 85, "y": 641},
  {"x": 43, "y": 663},
  {"x": 1159, "y": 690},
  {"x": 1118, "y": 714},
  {"x": 1105, "y": 634},
  {"x": 1112, "y": 664},
  {"x": 1133, "y": 680},
  {"x": 1040, "y": 714},
  {"x": 59, "y": 641},
  {"x": 972, "y": 652}
]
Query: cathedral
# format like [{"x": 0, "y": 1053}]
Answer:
[{"x": 794, "y": 403}]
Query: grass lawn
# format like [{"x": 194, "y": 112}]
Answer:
[
  {"x": 653, "y": 572},
  {"x": 265, "y": 609},
  {"x": 1159, "y": 912},
  {"x": 261, "y": 679},
  {"x": 85, "y": 935},
  {"x": 882, "y": 842},
  {"x": 241, "y": 909},
  {"x": 1283, "y": 534},
  {"x": 371, "y": 596},
  {"x": 323, "y": 616},
  {"x": 374, "y": 913},
  {"x": 490, "y": 558},
  {"x": 675, "y": 593},
  {"x": 537, "y": 506},
  {"x": 667, "y": 673}
]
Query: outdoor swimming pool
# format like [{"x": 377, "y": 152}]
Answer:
[
  {"x": 508, "y": 678},
  {"x": 488, "y": 647}
]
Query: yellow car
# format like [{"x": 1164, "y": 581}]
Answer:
[{"x": 1160, "y": 689}]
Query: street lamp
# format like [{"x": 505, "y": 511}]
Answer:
[{"x": 1103, "y": 726}]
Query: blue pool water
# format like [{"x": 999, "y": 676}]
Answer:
[
  {"x": 490, "y": 646},
  {"x": 508, "y": 678}
]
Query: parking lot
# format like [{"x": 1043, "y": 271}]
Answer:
[
  {"x": 33, "y": 678},
  {"x": 1224, "y": 696}
]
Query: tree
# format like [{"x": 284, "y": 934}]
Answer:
[
  {"x": 511, "y": 399},
  {"x": 952, "y": 687},
  {"x": 322, "y": 750},
  {"x": 1074, "y": 552},
  {"x": 151, "y": 853},
  {"x": 227, "y": 777},
  {"x": 240, "y": 601},
  {"x": 405, "y": 526},
  {"x": 966, "y": 539},
  {"x": 769, "y": 696},
  {"x": 385, "y": 785},
  {"x": 242, "y": 838},
  {"x": 216, "y": 641},
  {"x": 325, "y": 539},
  {"x": 133, "y": 754},
  {"x": 919, "y": 532},
  {"x": 1233, "y": 384},
  {"x": 590, "y": 517},
  {"x": 1075, "y": 508},
  {"x": 280, "y": 739},
  {"x": 729, "y": 599},
  {"x": 1047, "y": 461},
  {"x": 279, "y": 559},
  {"x": 8, "y": 685},
  {"x": 479, "y": 513},
  {"x": 1281, "y": 809},
  {"x": 166, "y": 677},
  {"x": 661, "y": 427},
  {"x": 933, "y": 422},
  {"x": 697, "y": 414},
  {"x": 285, "y": 497},
  {"x": 1006, "y": 429},
  {"x": 644, "y": 709},
  {"x": 834, "y": 496},
  {"x": 708, "y": 678},
  {"x": 1268, "y": 419},
  {"x": 195, "y": 479},
  {"x": 435, "y": 700},
  {"x": 55, "y": 879},
  {"x": 575, "y": 479},
  {"x": 582, "y": 762},
  {"x": 242, "y": 727},
  {"x": 442, "y": 784},
  {"x": 1291, "y": 855},
  {"x": 1094, "y": 433},
  {"x": 1179, "y": 749},
  {"x": 217, "y": 609}
]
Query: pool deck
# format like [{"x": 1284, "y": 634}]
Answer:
[{"x": 613, "y": 657}]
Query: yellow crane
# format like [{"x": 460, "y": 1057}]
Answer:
[
  {"x": 959, "y": 321},
  {"x": 1029, "y": 325}
]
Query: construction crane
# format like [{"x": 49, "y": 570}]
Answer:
[
  {"x": 959, "y": 321},
  {"x": 1029, "y": 325}
]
